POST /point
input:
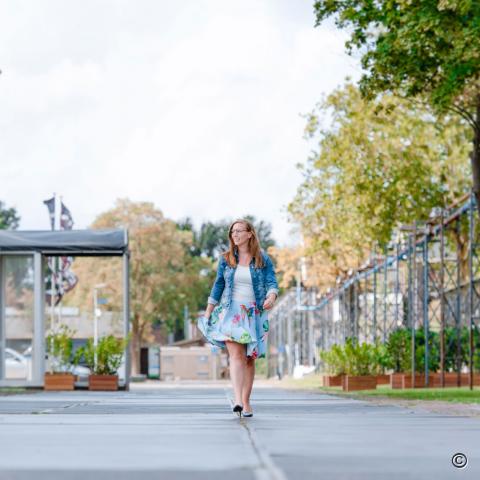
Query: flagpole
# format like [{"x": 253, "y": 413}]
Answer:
[
  {"x": 59, "y": 260},
  {"x": 52, "y": 299},
  {"x": 53, "y": 270}
]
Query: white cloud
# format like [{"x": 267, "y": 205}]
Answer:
[{"x": 191, "y": 105}]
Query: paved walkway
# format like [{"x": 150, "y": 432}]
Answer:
[{"x": 187, "y": 432}]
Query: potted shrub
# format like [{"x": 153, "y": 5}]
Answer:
[
  {"x": 399, "y": 348},
  {"x": 104, "y": 360},
  {"x": 383, "y": 362},
  {"x": 335, "y": 364},
  {"x": 59, "y": 346},
  {"x": 361, "y": 367},
  {"x": 452, "y": 364}
]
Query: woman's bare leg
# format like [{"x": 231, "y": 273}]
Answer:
[
  {"x": 238, "y": 358},
  {"x": 248, "y": 383}
]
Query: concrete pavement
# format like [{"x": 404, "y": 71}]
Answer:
[{"x": 182, "y": 431}]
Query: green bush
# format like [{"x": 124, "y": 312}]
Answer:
[
  {"x": 59, "y": 346},
  {"x": 109, "y": 352},
  {"x": 399, "y": 350},
  {"x": 382, "y": 359},
  {"x": 433, "y": 353},
  {"x": 334, "y": 360},
  {"x": 451, "y": 339},
  {"x": 361, "y": 358},
  {"x": 367, "y": 359},
  {"x": 399, "y": 347},
  {"x": 353, "y": 359}
]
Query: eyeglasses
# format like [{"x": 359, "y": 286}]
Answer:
[{"x": 237, "y": 231}]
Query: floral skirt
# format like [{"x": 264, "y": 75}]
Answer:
[{"x": 241, "y": 323}]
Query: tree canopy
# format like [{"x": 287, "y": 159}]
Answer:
[
  {"x": 426, "y": 49},
  {"x": 379, "y": 164},
  {"x": 9, "y": 219},
  {"x": 414, "y": 47}
]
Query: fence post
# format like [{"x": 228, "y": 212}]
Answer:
[
  {"x": 472, "y": 287},
  {"x": 374, "y": 295},
  {"x": 458, "y": 310},
  {"x": 310, "y": 320},
  {"x": 397, "y": 281},
  {"x": 385, "y": 288},
  {"x": 442, "y": 300},
  {"x": 414, "y": 298},
  {"x": 425, "y": 306}
]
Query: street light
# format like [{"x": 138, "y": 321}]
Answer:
[{"x": 96, "y": 314}]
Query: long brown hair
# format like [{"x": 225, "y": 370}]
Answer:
[{"x": 253, "y": 245}]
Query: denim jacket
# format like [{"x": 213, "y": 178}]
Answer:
[{"x": 264, "y": 282}]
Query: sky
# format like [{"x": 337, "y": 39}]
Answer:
[{"x": 194, "y": 105}]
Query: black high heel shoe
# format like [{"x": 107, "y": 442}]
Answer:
[{"x": 238, "y": 410}]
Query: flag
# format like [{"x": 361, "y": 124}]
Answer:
[
  {"x": 68, "y": 279},
  {"x": 50, "y": 203},
  {"x": 66, "y": 219},
  {"x": 60, "y": 279},
  {"x": 51, "y": 281}
]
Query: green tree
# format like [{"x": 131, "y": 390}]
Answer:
[
  {"x": 381, "y": 163},
  {"x": 424, "y": 49},
  {"x": 264, "y": 231},
  {"x": 9, "y": 220},
  {"x": 212, "y": 237}
]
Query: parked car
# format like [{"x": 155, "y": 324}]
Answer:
[{"x": 18, "y": 366}]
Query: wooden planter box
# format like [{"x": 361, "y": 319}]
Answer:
[
  {"x": 419, "y": 380},
  {"x": 332, "y": 380},
  {"x": 352, "y": 383},
  {"x": 59, "y": 381},
  {"x": 383, "y": 379},
  {"x": 103, "y": 382},
  {"x": 404, "y": 380},
  {"x": 451, "y": 380},
  {"x": 396, "y": 380}
]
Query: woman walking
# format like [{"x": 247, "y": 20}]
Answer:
[{"x": 236, "y": 315}]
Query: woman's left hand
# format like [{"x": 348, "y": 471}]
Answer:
[{"x": 269, "y": 301}]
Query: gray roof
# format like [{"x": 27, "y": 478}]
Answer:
[{"x": 62, "y": 242}]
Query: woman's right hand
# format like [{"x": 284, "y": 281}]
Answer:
[{"x": 209, "y": 311}]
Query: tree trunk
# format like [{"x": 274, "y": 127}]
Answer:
[{"x": 475, "y": 157}]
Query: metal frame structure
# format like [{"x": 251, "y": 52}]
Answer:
[
  {"x": 428, "y": 279},
  {"x": 72, "y": 243}
]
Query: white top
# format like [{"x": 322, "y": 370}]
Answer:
[{"x": 242, "y": 285}]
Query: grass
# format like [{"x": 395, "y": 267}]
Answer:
[
  {"x": 457, "y": 395},
  {"x": 11, "y": 390}
]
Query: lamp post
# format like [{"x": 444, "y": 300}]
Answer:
[{"x": 96, "y": 314}]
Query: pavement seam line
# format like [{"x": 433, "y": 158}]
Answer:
[{"x": 267, "y": 470}]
